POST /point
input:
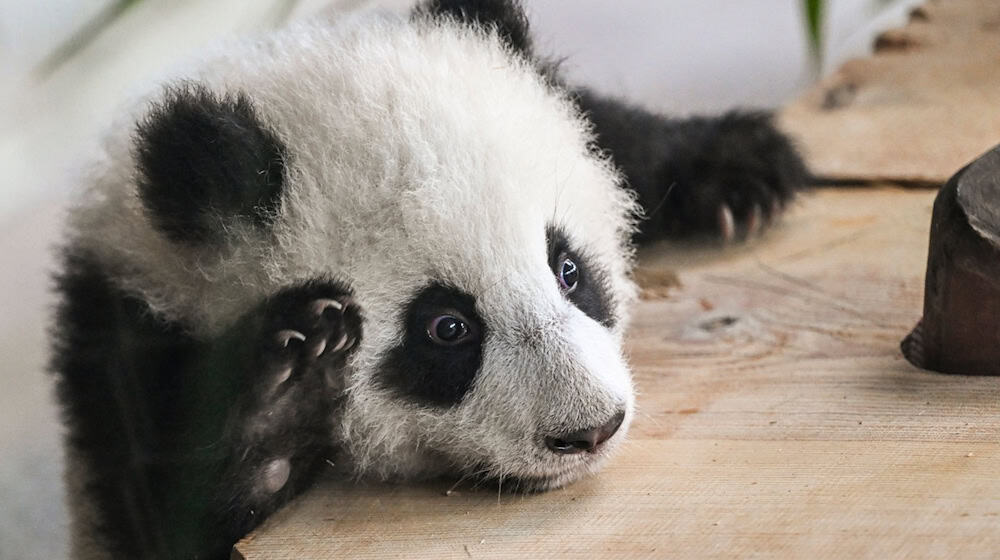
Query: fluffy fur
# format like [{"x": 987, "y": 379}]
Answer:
[{"x": 251, "y": 276}]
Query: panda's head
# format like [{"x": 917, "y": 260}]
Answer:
[{"x": 429, "y": 166}]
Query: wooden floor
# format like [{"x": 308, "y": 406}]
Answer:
[
  {"x": 776, "y": 418},
  {"x": 921, "y": 107}
]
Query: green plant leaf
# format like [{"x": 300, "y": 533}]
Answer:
[
  {"x": 106, "y": 18},
  {"x": 814, "y": 24}
]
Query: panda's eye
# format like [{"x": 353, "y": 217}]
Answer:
[
  {"x": 449, "y": 329},
  {"x": 569, "y": 274}
]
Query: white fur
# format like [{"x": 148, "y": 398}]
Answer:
[{"x": 419, "y": 152}]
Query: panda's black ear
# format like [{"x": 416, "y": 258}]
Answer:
[
  {"x": 205, "y": 161},
  {"x": 507, "y": 16}
]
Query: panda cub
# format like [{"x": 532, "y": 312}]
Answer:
[{"x": 398, "y": 246}]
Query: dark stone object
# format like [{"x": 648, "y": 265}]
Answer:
[{"x": 960, "y": 329}]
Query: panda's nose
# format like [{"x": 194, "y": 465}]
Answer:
[{"x": 588, "y": 439}]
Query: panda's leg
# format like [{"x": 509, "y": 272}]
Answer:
[
  {"x": 259, "y": 415},
  {"x": 176, "y": 447},
  {"x": 726, "y": 176}
]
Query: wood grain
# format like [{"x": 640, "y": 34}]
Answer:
[
  {"x": 924, "y": 105},
  {"x": 777, "y": 418}
]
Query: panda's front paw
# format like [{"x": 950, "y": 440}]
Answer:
[
  {"x": 256, "y": 414},
  {"x": 732, "y": 180},
  {"x": 294, "y": 350},
  {"x": 308, "y": 333}
]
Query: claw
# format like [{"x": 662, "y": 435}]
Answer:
[
  {"x": 727, "y": 224},
  {"x": 320, "y": 306},
  {"x": 286, "y": 337},
  {"x": 283, "y": 376},
  {"x": 320, "y": 348},
  {"x": 347, "y": 302},
  {"x": 340, "y": 343},
  {"x": 350, "y": 343}
]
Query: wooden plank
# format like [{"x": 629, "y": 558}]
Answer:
[
  {"x": 924, "y": 105},
  {"x": 777, "y": 417}
]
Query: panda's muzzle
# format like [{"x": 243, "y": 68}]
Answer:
[{"x": 585, "y": 440}]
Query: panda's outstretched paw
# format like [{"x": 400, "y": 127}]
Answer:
[
  {"x": 261, "y": 406},
  {"x": 734, "y": 182},
  {"x": 294, "y": 349},
  {"x": 309, "y": 332},
  {"x": 287, "y": 359}
]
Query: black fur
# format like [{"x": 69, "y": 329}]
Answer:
[
  {"x": 684, "y": 170},
  {"x": 506, "y": 16},
  {"x": 204, "y": 161},
  {"x": 427, "y": 372},
  {"x": 177, "y": 430},
  {"x": 593, "y": 291}
]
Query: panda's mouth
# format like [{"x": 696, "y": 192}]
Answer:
[
  {"x": 535, "y": 483},
  {"x": 511, "y": 484}
]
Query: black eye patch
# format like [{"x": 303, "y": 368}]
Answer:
[
  {"x": 422, "y": 367},
  {"x": 592, "y": 290}
]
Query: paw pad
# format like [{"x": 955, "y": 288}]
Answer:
[{"x": 275, "y": 474}]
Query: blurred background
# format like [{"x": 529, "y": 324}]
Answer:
[{"x": 66, "y": 65}]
